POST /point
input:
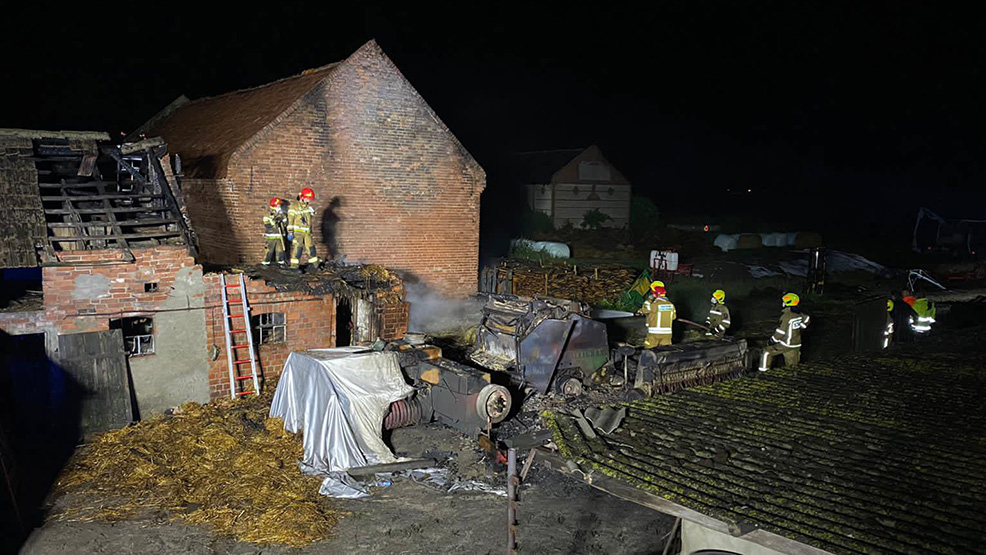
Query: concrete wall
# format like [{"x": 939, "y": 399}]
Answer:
[
  {"x": 695, "y": 537},
  {"x": 178, "y": 371}
]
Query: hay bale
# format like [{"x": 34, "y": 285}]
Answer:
[
  {"x": 749, "y": 241},
  {"x": 225, "y": 465},
  {"x": 807, "y": 240}
]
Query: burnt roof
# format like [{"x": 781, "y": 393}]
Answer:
[
  {"x": 206, "y": 132},
  {"x": 880, "y": 453},
  {"x": 21, "y": 211}
]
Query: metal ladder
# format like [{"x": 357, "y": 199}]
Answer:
[{"x": 238, "y": 324}]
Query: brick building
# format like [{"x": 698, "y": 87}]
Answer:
[
  {"x": 394, "y": 187},
  {"x": 125, "y": 310}
]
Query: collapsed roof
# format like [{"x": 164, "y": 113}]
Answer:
[{"x": 72, "y": 190}]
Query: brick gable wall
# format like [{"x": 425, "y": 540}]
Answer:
[{"x": 409, "y": 193}]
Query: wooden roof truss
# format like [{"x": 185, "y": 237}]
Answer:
[{"x": 109, "y": 197}]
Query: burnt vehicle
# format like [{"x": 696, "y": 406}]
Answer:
[{"x": 553, "y": 346}]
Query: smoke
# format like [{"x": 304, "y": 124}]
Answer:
[{"x": 433, "y": 313}]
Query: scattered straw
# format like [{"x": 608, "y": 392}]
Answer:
[{"x": 224, "y": 464}]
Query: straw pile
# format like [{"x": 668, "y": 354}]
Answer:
[{"x": 224, "y": 464}]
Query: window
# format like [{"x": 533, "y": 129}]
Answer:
[
  {"x": 150, "y": 287},
  {"x": 138, "y": 335},
  {"x": 593, "y": 171},
  {"x": 268, "y": 328}
]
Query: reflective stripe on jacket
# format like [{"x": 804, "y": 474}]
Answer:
[
  {"x": 718, "y": 319},
  {"x": 300, "y": 217},
  {"x": 788, "y": 332},
  {"x": 660, "y": 313}
]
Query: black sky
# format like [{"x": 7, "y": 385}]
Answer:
[{"x": 811, "y": 101}]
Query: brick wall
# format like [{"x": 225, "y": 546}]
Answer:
[
  {"x": 84, "y": 297},
  {"x": 393, "y": 318},
  {"x": 409, "y": 192},
  {"x": 309, "y": 324}
]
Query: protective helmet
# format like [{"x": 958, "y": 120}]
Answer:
[
  {"x": 275, "y": 202},
  {"x": 719, "y": 296},
  {"x": 790, "y": 299},
  {"x": 655, "y": 284},
  {"x": 659, "y": 291},
  {"x": 890, "y": 305},
  {"x": 306, "y": 194}
]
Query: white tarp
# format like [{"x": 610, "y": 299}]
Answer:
[
  {"x": 555, "y": 250},
  {"x": 338, "y": 399}
]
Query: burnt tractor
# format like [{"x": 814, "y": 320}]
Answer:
[{"x": 553, "y": 346}]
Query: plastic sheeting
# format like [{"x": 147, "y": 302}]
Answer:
[
  {"x": 837, "y": 261},
  {"x": 555, "y": 250},
  {"x": 338, "y": 399}
]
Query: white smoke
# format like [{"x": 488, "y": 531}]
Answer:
[{"x": 435, "y": 314}]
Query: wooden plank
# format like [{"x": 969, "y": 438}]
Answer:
[
  {"x": 96, "y": 362},
  {"x": 74, "y": 185},
  {"x": 117, "y": 232},
  {"x": 121, "y": 223},
  {"x": 121, "y": 210},
  {"x": 116, "y": 236},
  {"x": 83, "y": 198}
]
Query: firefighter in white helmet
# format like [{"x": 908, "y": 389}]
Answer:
[{"x": 786, "y": 339}]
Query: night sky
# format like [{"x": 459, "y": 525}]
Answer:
[{"x": 830, "y": 109}]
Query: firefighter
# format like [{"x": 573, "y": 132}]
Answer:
[
  {"x": 300, "y": 218},
  {"x": 924, "y": 313},
  {"x": 660, "y": 313},
  {"x": 888, "y": 330},
  {"x": 274, "y": 225},
  {"x": 718, "y": 319},
  {"x": 786, "y": 339}
]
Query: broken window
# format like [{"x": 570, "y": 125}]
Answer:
[
  {"x": 138, "y": 334},
  {"x": 269, "y": 328}
]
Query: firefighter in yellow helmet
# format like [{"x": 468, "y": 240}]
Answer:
[
  {"x": 888, "y": 330},
  {"x": 718, "y": 319},
  {"x": 660, "y": 313},
  {"x": 301, "y": 216},
  {"x": 786, "y": 339},
  {"x": 274, "y": 224}
]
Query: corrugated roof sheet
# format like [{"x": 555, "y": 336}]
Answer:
[
  {"x": 21, "y": 211},
  {"x": 206, "y": 132},
  {"x": 867, "y": 454}
]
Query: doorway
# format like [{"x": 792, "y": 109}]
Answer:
[{"x": 344, "y": 322}]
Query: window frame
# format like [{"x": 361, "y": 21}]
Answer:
[{"x": 265, "y": 333}]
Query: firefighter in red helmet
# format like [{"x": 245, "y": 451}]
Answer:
[{"x": 301, "y": 216}]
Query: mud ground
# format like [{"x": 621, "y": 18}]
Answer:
[{"x": 556, "y": 515}]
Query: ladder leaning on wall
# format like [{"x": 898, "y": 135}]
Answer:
[{"x": 237, "y": 324}]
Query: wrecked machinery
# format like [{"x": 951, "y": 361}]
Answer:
[
  {"x": 546, "y": 346},
  {"x": 465, "y": 398},
  {"x": 553, "y": 346}
]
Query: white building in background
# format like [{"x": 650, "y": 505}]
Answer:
[{"x": 565, "y": 184}]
